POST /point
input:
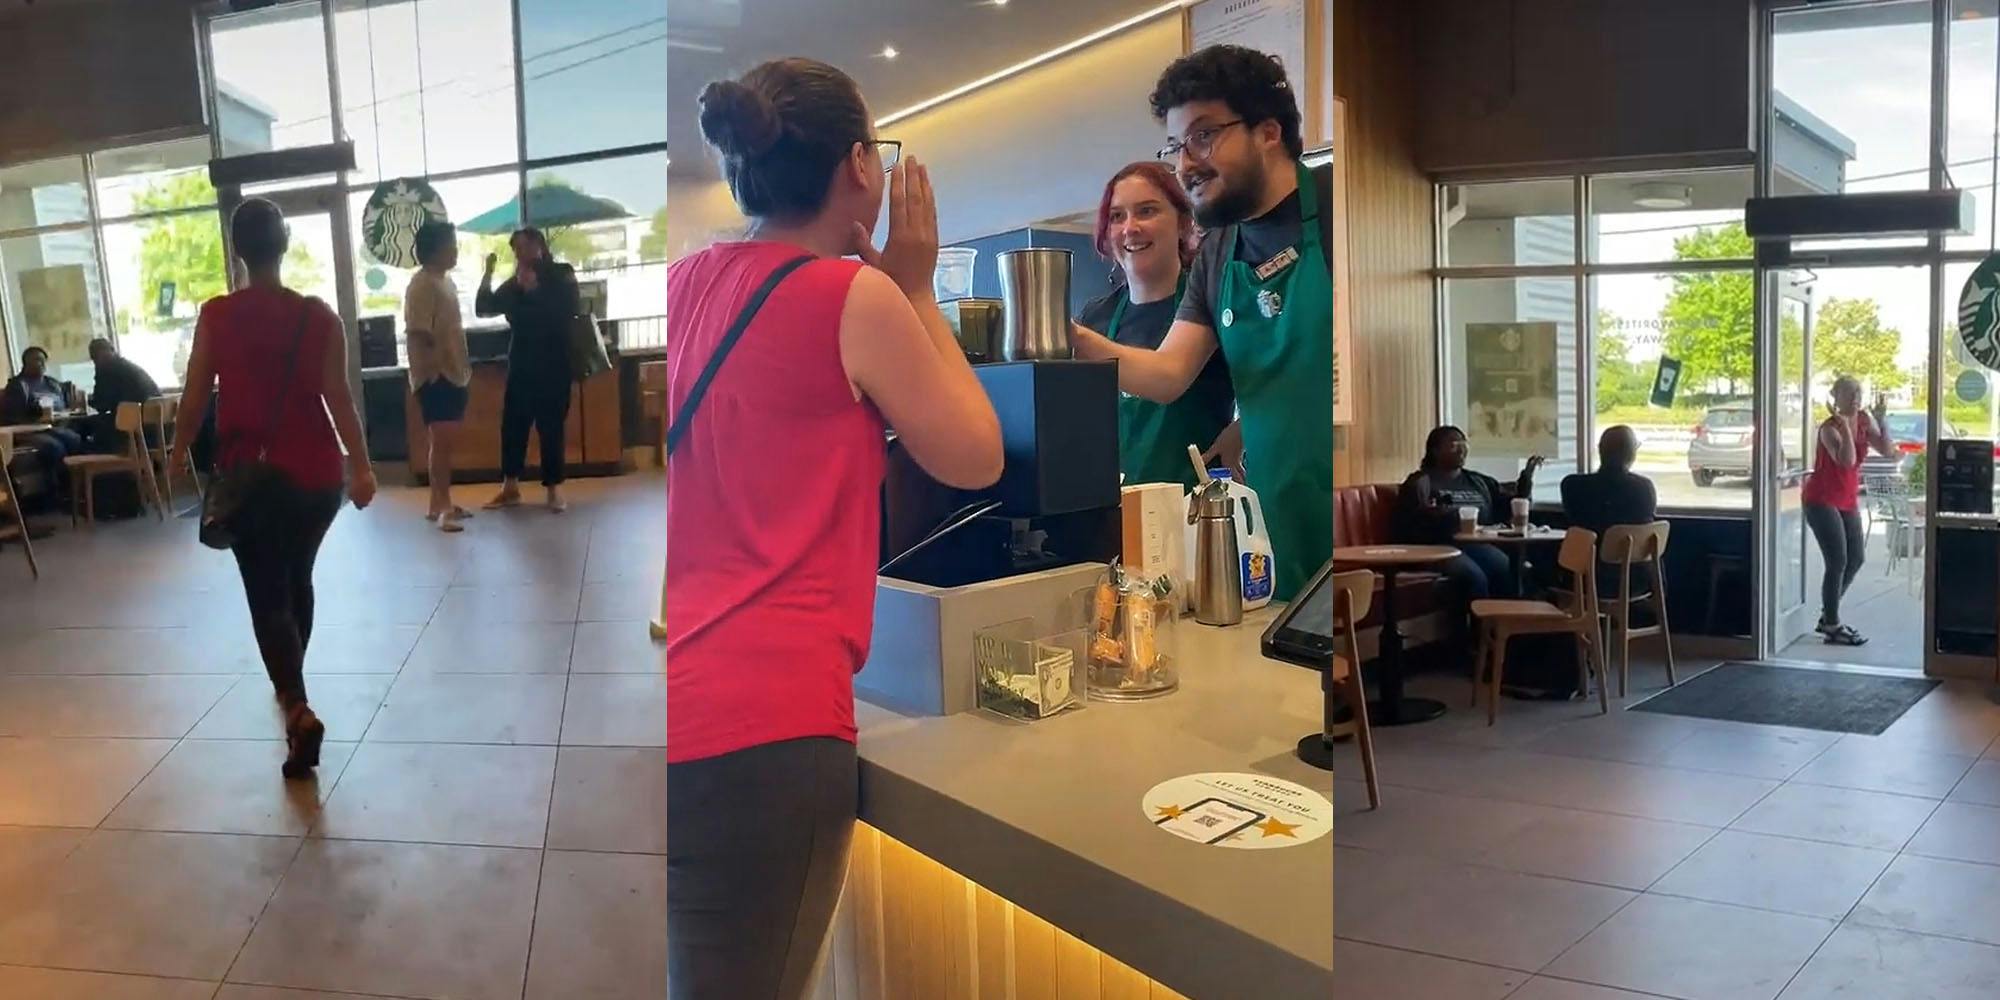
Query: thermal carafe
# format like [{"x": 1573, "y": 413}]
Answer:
[
  {"x": 1034, "y": 285},
  {"x": 1218, "y": 591}
]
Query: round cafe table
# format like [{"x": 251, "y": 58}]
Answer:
[
  {"x": 1392, "y": 708},
  {"x": 1515, "y": 543}
]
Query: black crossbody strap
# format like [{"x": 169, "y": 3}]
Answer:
[
  {"x": 735, "y": 333},
  {"x": 285, "y": 388}
]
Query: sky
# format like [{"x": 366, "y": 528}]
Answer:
[{"x": 1886, "y": 112}]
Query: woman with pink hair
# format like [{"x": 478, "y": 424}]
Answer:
[{"x": 1145, "y": 224}]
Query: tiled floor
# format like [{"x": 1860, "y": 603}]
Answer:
[
  {"x": 487, "y": 820},
  {"x": 1563, "y": 855}
]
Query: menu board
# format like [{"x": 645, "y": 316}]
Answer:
[{"x": 1277, "y": 27}]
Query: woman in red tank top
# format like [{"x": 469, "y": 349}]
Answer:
[
  {"x": 1832, "y": 498},
  {"x": 282, "y": 362},
  {"x": 773, "y": 485}
]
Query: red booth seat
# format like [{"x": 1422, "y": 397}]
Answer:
[{"x": 1364, "y": 515}]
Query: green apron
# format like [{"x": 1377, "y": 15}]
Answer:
[
  {"x": 1153, "y": 438},
  {"x": 1277, "y": 335}
]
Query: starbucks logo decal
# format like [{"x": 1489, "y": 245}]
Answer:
[{"x": 395, "y": 211}]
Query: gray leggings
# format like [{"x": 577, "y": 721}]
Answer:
[
  {"x": 756, "y": 856},
  {"x": 1842, "y": 547}
]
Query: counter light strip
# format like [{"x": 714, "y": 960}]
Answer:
[{"x": 1022, "y": 67}]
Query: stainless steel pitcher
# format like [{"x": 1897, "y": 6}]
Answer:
[
  {"x": 1034, "y": 284},
  {"x": 1218, "y": 589}
]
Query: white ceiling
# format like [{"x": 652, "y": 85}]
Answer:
[{"x": 942, "y": 44}]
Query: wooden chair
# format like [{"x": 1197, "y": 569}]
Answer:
[
  {"x": 1501, "y": 620},
  {"x": 653, "y": 403},
  {"x": 12, "y": 502},
  {"x": 1351, "y": 596},
  {"x": 1626, "y": 546},
  {"x": 133, "y": 460},
  {"x": 159, "y": 414}
]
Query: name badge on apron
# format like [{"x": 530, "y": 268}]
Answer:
[{"x": 1284, "y": 259}]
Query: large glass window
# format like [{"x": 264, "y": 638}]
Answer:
[
  {"x": 55, "y": 298},
  {"x": 609, "y": 219},
  {"x": 1510, "y": 224},
  {"x": 156, "y": 178},
  {"x": 1972, "y": 131},
  {"x": 1646, "y": 218},
  {"x": 1668, "y": 273},
  {"x": 427, "y": 85},
  {"x": 1697, "y": 450},
  {"x": 271, "y": 81},
  {"x": 47, "y": 193},
  {"x": 466, "y": 199},
  {"x": 1510, "y": 366},
  {"x": 162, "y": 270},
  {"x": 595, "y": 74}
]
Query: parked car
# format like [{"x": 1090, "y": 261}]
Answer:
[
  {"x": 1723, "y": 443},
  {"x": 1908, "y": 432}
]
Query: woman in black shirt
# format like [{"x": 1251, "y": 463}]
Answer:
[
  {"x": 539, "y": 301},
  {"x": 1428, "y": 511}
]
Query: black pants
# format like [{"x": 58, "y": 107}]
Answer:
[
  {"x": 277, "y": 539},
  {"x": 1842, "y": 547},
  {"x": 756, "y": 855},
  {"x": 51, "y": 447},
  {"x": 540, "y": 402}
]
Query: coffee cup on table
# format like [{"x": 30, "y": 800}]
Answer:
[
  {"x": 1519, "y": 507},
  {"x": 1468, "y": 520}
]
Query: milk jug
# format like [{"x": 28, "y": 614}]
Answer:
[{"x": 1255, "y": 569}]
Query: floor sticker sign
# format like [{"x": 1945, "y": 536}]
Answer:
[{"x": 1244, "y": 811}]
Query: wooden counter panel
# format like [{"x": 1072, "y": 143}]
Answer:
[{"x": 592, "y": 442}]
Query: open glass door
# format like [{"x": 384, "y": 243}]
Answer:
[{"x": 1785, "y": 438}]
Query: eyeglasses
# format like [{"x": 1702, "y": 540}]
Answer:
[
  {"x": 892, "y": 153},
  {"x": 1198, "y": 143}
]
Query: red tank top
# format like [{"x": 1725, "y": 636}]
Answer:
[
  {"x": 250, "y": 342},
  {"x": 773, "y": 511},
  {"x": 1831, "y": 485}
]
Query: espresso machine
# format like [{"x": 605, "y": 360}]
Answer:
[{"x": 1057, "y": 501}]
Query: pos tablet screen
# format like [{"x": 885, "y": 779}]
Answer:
[{"x": 1303, "y": 632}]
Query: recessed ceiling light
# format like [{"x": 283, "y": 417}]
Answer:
[{"x": 889, "y": 52}]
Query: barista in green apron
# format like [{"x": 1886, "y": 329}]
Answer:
[
  {"x": 1235, "y": 139},
  {"x": 1145, "y": 225},
  {"x": 1153, "y": 438},
  {"x": 1275, "y": 327}
]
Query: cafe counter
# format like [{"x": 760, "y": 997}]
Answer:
[{"x": 994, "y": 851}]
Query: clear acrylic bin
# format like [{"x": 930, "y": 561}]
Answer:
[
  {"x": 1029, "y": 677},
  {"x": 1139, "y": 657}
]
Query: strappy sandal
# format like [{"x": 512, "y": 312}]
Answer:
[
  {"x": 1845, "y": 635},
  {"x": 303, "y": 735}
]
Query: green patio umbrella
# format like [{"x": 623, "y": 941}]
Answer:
[{"x": 549, "y": 206}]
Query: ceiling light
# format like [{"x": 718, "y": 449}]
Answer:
[
  {"x": 1028, "y": 64},
  {"x": 1654, "y": 194},
  {"x": 889, "y": 52}
]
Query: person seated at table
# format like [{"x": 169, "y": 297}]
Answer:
[
  {"x": 119, "y": 379},
  {"x": 23, "y": 400},
  {"x": 1614, "y": 494},
  {"x": 1428, "y": 508}
]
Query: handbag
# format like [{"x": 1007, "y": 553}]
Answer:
[
  {"x": 586, "y": 348},
  {"x": 678, "y": 429},
  {"x": 222, "y": 505}
]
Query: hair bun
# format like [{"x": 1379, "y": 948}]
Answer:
[{"x": 738, "y": 121}]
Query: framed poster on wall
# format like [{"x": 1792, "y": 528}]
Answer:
[{"x": 1278, "y": 27}]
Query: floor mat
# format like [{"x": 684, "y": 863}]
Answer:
[{"x": 1802, "y": 697}]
